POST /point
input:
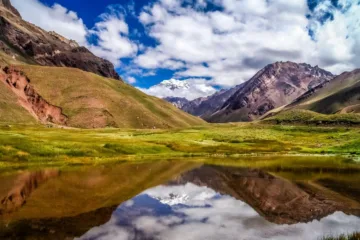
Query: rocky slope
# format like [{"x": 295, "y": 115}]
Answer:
[
  {"x": 29, "y": 99},
  {"x": 275, "y": 85},
  {"x": 177, "y": 101},
  {"x": 341, "y": 95},
  {"x": 206, "y": 106},
  {"x": 22, "y": 40},
  {"x": 7, "y": 5}
]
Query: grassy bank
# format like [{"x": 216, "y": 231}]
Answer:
[
  {"x": 354, "y": 236},
  {"x": 37, "y": 144},
  {"x": 307, "y": 117}
]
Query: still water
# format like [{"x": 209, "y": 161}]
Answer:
[{"x": 177, "y": 200}]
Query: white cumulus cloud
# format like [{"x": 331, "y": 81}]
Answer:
[
  {"x": 56, "y": 18},
  {"x": 232, "y": 42}
]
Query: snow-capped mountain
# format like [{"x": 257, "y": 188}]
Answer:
[
  {"x": 189, "y": 89},
  {"x": 188, "y": 194},
  {"x": 173, "y": 84}
]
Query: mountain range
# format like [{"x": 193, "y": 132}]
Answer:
[
  {"x": 340, "y": 95},
  {"x": 28, "y": 43},
  {"x": 46, "y": 78},
  {"x": 50, "y": 79},
  {"x": 276, "y": 85}
]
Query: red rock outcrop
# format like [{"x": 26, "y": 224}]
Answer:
[{"x": 30, "y": 99}]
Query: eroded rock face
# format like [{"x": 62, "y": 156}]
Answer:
[
  {"x": 47, "y": 48},
  {"x": 30, "y": 99},
  {"x": 278, "y": 200},
  {"x": 7, "y": 5},
  {"x": 275, "y": 85},
  {"x": 23, "y": 187}
]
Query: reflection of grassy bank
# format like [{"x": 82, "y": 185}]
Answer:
[
  {"x": 24, "y": 145},
  {"x": 98, "y": 187},
  {"x": 354, "y": 236},
  {"x": 79, "y": 198}
]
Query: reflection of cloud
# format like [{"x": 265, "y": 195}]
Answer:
[{"x": 206, "y": 215}]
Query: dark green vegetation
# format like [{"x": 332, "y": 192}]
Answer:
[
  {"x": 32, "y": 145},
  {"x": 354, "y": 236}
]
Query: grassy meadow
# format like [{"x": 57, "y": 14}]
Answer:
[{"x": 27, "y": 145}]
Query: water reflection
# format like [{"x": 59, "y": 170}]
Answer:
[
  {"x": 24, "y": 185},
  {"x": 229, "y": 203},
  {"x": 194, "y": 202},
  {"x": 277, "y": 199},
  {"x": 192, "y": 212},
  {"x": 69, "y": 205}
]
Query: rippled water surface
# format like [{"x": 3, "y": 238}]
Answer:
[{"x": 177, "y": 200}]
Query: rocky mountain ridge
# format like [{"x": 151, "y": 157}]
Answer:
[
  {"x": 340, "y": 95},
  {"x": 8, "y": 6},
  {"x": 22, "y": 40},
  {"x": 204, "y": 107},
  {"x": 275, "y": 85}
]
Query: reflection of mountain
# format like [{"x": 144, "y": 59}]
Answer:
[
  {"x": 77, "y": 200},
  {"x": 23, "y": 187},
  {"x": 206, "y": 214},
  {"x": 278, "y": 200}
]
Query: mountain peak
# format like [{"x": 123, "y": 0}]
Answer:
[
  {"x": 173, "y": 84},
  {"x": 275, "y": 85},
  {"x": 7, "y": 5}
]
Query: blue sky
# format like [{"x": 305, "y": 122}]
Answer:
[{"x": 211, "y": 44}]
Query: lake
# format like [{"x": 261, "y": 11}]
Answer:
[{"x": 178, "y": 200}]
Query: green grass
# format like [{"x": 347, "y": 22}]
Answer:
[
  {"x": 309, "y": 117},
  {"x": 354, "y": 236},
  {"x": 31, "y": 145},
  {"x": 92, "y": 101}
]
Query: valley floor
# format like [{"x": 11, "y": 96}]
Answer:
[{"x": 31, "y": 145}]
